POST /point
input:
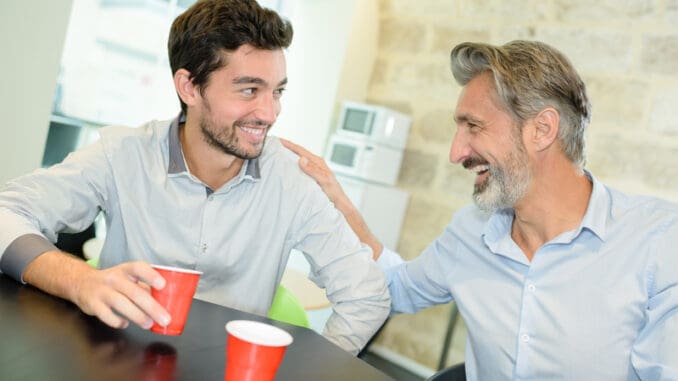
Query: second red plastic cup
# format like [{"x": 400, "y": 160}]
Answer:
[
  {"x": 176, "y": 297},
  {"x": 254, "y": 350}
]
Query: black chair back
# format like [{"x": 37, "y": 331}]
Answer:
[{"x": 453, "y": 373}]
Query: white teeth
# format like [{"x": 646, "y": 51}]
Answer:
[
  {"x": 253, "y": 131},
  {"x": 480, "y": 168}
]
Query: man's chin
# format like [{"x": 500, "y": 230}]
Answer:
[
  {"x": 249, "y": 152},
  {"x": 487, "y": 198},
  {"x": 483, "y": 205},
  {"x": 247, "y": 155}
]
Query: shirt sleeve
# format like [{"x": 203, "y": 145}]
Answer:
[
  {"x": 421, "y": 282},
  {"x": 655, "y": 352},
  {"x": 388, "y": 259},
  {"x": 343, "y": 266},
  {"x": 36, "y": 207}
]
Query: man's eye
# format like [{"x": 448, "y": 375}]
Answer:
[
  {"x": 249, "y": 91},
  {"x": 279, "y": 92}
]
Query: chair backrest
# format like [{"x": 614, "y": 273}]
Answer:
[
  {"x": 453, "y": 373},
  {"x": 287, "y": 308}
]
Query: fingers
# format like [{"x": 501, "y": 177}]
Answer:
[
  {"x": 142, "y": 271},
  {"x": 135, "y": 303},
  {"x": 117, "y": 296},
  {"x": 316, "y": 167},
  {"x": 302, "y": 152},
  {"x": 108, "y": 316},
  {"x": 299, "y": 150},
  {"x": 147, "y": 309},
  {"x": 311, "y": 164},
  {"x": 318, "y": 173}
]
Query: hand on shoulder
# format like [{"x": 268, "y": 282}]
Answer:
[{"x": 317, "y": 169}]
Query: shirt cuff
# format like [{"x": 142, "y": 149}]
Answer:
[
  {"x": 388, "y": 259},
  {"x": 21, "y": 252}
]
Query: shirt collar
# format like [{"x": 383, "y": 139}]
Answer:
[
  {"x": 598, "y": 210},
  {"x": 177, "y": 163},
  {"x": 497, "y": 230}
]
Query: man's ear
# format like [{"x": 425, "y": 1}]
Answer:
[
  {"x": 188, "y": 92},
  {"x": 546, "y": 127}
]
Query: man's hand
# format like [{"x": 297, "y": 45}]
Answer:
[
  {"x": 116, "y": 295},
  {"x": 316, "y": 167}
]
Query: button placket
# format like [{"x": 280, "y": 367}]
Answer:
[{"x": 525, "y": 330}]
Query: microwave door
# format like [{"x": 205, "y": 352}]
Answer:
[
  {"x": 345, "y": 157},
  {"x": 358, "y": 121}
]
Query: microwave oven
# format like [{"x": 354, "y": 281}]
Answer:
[
  {"x": 363, "y": 159},
  {"x": 376, "y": 124}
]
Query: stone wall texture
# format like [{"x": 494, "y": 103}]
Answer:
[{"x": 626, "y": 51}]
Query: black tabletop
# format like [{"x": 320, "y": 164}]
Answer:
[{"x": 46, "y": 338}]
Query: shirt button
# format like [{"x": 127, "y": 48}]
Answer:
[
  {"x": 531, "y": 287},
  {"x": 525, "y": 338},
  {"x": 210, "y": 198},
  {"x": 204, "y": 247}
]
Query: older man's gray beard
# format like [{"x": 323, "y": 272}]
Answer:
[{"x": 503, "y": 188}]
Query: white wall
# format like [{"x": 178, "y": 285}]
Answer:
[
  {"x": 326, "y": 32},
  {"x": 32, "y": 37},
  {"x": 360, "y": 54}
]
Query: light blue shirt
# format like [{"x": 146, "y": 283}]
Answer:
[
  {"x": 240, "y": 235},
  {"x": 596, "y": 303}
]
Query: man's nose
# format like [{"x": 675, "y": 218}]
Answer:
[
  {"x": 459, "y": 149},
  {"x": 268, "y": 109}
]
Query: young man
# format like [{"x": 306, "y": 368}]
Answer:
[
  {"x": 556, "y": 275},
  {"x": 204, "y": 191}
]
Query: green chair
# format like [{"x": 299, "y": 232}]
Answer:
[
  {"x": 94, "y": 262},
  {"x": 287, "y": 308}
]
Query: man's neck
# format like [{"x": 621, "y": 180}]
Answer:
[
  {"x": 556, "y": 202},
  {"x": 209, "y": 164}
]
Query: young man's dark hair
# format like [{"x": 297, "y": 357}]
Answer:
[{"x": 201, "y": 35}]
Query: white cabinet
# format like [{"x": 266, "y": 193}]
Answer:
[{"x": 383, "y": 207}]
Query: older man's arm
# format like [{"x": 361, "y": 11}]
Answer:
[{"x": 316, "y": 167}]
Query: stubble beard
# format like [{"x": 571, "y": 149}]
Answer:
[
  {"x": 225, "y": 138},
  {"x": 505, "y": 185}
]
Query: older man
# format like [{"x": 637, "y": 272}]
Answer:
[{"x": 556, "y": 275}]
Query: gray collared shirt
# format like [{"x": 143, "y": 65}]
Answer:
[{"x": 239, "y": 235}]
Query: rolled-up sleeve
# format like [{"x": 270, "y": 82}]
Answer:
[
  {"x": 36, "y": 207},
  {"x": 344, "y": 268}
]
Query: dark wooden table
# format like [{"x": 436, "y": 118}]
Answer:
[{"x": 46, "y": 338}]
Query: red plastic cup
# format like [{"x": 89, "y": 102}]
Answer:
[
  {"x": 176, "y": 297},
  {"x": 254, "y": 350}
]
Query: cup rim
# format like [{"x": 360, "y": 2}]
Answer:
[
  {"x": 277, "y": 337},
  {"x": 176, "y": 269}
]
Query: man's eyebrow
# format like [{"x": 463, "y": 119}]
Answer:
[
  {"x": 249, "y": 80},
  {"x": 466, "y": 118},
  {"x": 255, "y": 81}
]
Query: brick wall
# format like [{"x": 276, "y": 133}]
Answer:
[{"x": 627, "y": 53}]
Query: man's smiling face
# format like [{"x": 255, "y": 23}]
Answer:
[
  {"x": 489, "y": 143},
  {"x": 242, "y": 101}
]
